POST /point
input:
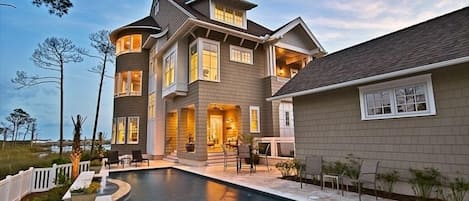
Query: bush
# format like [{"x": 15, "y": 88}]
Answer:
[
  {"x": 285, "y": 167},
  {"x": 458, "y": 189},
  {"x": 60, "y": 161},
  {"x": 388, "y": 180},
  {"x": 425, "y": 181}
]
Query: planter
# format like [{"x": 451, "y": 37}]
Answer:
[
  {"x": 83, "y": 196},
  {"x": 190, "y": 147}
]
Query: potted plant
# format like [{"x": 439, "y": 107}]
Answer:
[
  {"x": 85, "y": 194},
  {"x": 190, "y": 146}
]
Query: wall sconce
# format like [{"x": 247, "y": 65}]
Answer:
[{"x": 281, "y": 70}]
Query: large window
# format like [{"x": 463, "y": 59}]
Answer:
[
  {"x": 169, "y": 68},
  {"x": 128, "y": 83},
  {"x": 229, "y": 15},
  {"x": 129, "y": 43},
  {"x": 132, "y": 130},
  {"x": 204, "y": 66},
  {"x": 240, "y": 54},
  {"x": 254, "y": 119},
  {"x": 399, "y": 98},
  {"x": 120, "y": 130},
  {"x": 151, "y": 106}
]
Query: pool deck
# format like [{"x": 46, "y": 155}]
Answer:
[{"x": 262, "y": 180}]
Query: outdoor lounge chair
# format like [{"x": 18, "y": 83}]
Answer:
[
  {"x": 265, "y": 155},
  {"x": 138, "y": 158},
  {"x": 112, "y": 158},
  {"x": 244, "y": 151},
  {"x": 368, "y": 173},
  {"x": 313, "y": 166}
]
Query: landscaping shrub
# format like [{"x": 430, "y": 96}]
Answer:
[
  {"x": 425, "y": 181},
  {"x": 285, "y": 167},
  {"x": 388, "y": 180},
  {"x": 458, "y": 189}
]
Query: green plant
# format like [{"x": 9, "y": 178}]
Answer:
[
  {"x": 336, "y": 167},
  {"x": 425, "y": 181},
  {"x": 458, "y": 189},
  {"x": 388, "y": 180},
  {"x": 92, "y": 188},
  {"x": 63, "y": 179},
  {"x": 352, "y": 169},
  {"x": 60, "y": 161},
  {"x": 285, "y": 167}
]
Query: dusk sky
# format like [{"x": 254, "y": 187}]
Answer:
[{"x": 337, "y": 25}]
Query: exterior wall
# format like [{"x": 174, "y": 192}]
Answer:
[
  {"x": 169, "y": 16},
  {"x": 133, "y": 105},
  {"x": 329, "y": 124},
  {"x": 202, "y": 6}
]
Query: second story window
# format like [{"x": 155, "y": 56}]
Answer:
[
  {"x": 228, "y": 15},
  {"x": 240, "y": 54},
  {"x": 204, "y": 62},
  {"x": 128, "y": 83},
  {"x": 169, "y": 65},
  {"x": 129, "y": 43}
]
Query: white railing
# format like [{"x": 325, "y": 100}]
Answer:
[
  {"x": 279, "y": 146},
  {"x": 36, "y": 180}
]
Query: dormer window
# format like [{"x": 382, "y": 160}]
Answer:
[{"x": 229, "y": 15}]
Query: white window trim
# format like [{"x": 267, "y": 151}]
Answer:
[
  {"x": 198, "y": 60},
  {"x": 114, "y": 131},
  {"x": 242, "y": 49},
  {"x": 212, "y": 16},
  {"x": 391, "y": 85},
  {"x": 200, "y": 72},
  {"x": 131, "y": 43},
  {"x": 128, "y": 129},
  {"x": 128, "y": 92},
  {"x": 117, "y": 130},
  {"x": 168, "y": 53},
  {"x": 257, "y": 109}
]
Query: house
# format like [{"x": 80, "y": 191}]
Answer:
[
  {"x": 402, "y": 98},
  {"x": 200, "y": 71}
]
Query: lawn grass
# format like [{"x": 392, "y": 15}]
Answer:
[
  {"x": 20, "y": 157},
  {"x": 54, "y": 194}
]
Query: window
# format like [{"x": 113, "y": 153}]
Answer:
[
  {"x": 239, "y": 54},
  {"x": 151, "y": 106},
  {"x": 128, "y": 83},
  {"x": 169, "y": 65},
  {"x": 229, "y": 15},
  {"x": 204, "y": 66},
  {"x": 132, "y": 130},
  {"x": 113, "y": 135},
  {"x": 194, "y": 62},
  {"x": 406, "y": 97},
  {"x": 129, "y": 43},
  {"x": 120, "y": 137},
  {"x": 254, "y": 119},
  {"x": 287, "y": 118}
]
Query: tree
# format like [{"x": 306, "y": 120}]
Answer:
[
  {"x": 76, "y": 149},
  {"x": 105, "y": 49},
  {"x": 56, "y": 7},
  {"x": 29, "y": 123},
  {"x": 17, "y": 118},
  {"x": 51, "y": 55},
  {"x": 4, "y": 130}
]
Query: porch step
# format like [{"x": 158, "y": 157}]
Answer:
[
  {"x": 172, "y": 157},
  {"x": 217, "y": 159}
]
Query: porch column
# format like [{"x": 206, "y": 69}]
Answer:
[{"x": 182, "y": 129}]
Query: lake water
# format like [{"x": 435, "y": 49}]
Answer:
[{"x": 55, "y": 149}]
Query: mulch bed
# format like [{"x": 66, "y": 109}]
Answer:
[{"x": 382, "y": 194}]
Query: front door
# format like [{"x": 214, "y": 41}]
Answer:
[
  {"x": 287, "y": 129},
  {"x": 215, "y": 135}
]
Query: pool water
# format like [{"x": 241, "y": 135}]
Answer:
[{"x": 171, "y": 184}]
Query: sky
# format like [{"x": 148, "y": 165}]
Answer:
[{"x": 337, "y": 24}]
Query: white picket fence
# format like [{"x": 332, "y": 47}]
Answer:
[{"x": 15, "y": 187}]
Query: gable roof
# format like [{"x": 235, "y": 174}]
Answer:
[
  {"x": 252, "y": 27},
  {"x": 291, "y": 25},
  {"x": 438, "y": 42}
]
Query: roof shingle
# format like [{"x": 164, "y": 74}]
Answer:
[{"x": 436, "y": 40}]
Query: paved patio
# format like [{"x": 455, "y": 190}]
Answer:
[{"x": 262, "y": 180}]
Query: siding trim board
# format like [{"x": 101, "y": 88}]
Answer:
[{"x": 375, "y": 78}]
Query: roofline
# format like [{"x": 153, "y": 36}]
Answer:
[
  {"x": 115, "y": 31},
  {"x": 147, "y": 43},
  {"x": 193, "y": 21},
  {"x": 292, "y": 24},
  {"x": 375, "y": 78},
  {"x": 181, "y": 8}
]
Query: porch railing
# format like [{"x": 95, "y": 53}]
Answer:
[
  {"x": 36, "y": 180},
  {"x": 279, "y": 146}
]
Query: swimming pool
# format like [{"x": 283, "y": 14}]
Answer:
[{"x": 172, "y": 184}]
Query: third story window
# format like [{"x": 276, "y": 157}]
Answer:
[{"x": 129, "y": 43}]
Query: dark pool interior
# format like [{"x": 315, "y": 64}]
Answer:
[{"x": 172, "y": 184}]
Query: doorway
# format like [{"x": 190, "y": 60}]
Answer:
[{"x": 215, "y": 135}]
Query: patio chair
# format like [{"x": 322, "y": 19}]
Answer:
[
  {"x": 113, "y": 158},
  {"x": 368, "y": 173},
  {"x": 138, "y": 158},
  {"x": 267, "y": 150},
  {"x": 313, "y": 166},
  {"x": 244, "y": 151}
]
